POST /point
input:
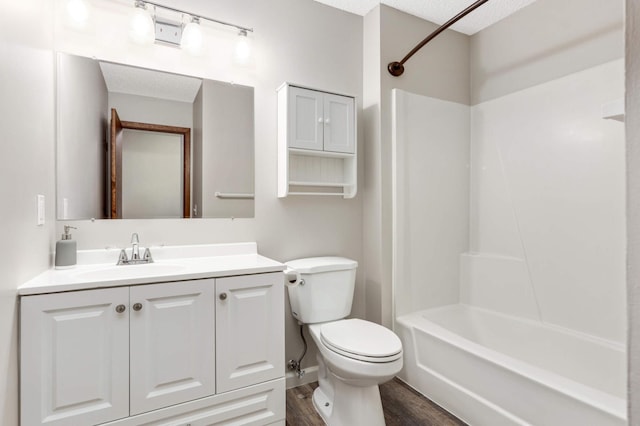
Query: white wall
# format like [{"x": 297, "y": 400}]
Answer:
[
  {"x": 544, "y": 41},
  {"x": 370, "y": 188},
  {"x": 632, "y": 125},
  {"x": 431, "y": 199},
  {"x": 26, "y": 161},
  {"x": 143, "y": 109},
  {"x": 547, "y": 204},
  {"x": 82, "y": 120},
  {"x": 299, "y": 41}
]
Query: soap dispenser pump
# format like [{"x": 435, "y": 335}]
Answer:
[{"x": 66, "y": 250}]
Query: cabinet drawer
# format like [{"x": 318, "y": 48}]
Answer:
[{"x": 261, "y": 404}]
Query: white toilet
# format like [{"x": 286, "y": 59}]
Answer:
[{"x": 355, "y": 356}]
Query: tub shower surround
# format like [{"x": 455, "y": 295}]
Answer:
[{"x": 510, "y": 298}]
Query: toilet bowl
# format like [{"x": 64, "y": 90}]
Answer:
[
  {"x": 358, "y": 351},
  {"x": 354, "y": 356}
]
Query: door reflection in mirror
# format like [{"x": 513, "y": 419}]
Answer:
[{"x": 150, "y": 170}]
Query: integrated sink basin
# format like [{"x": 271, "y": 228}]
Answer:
[
  {"x": 97, "y": 268},
  {"x": 123, "y": 272}
]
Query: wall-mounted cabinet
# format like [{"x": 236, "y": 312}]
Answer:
[
  {"x": 204, "y": 351},
  {"x": 316, "y": 142}
]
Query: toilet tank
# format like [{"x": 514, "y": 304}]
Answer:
[{"x": 324, "y": 291}]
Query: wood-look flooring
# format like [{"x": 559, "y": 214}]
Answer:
[{"x": 402, "y": 406}]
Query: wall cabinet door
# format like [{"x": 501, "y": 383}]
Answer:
[
  {"x": 305, "y": 120},
  {"x": 339, "y": 132},
  {"x": 172, "y": 344},
  {"x": 321, "y": 121},
  {"x": 75, "y": 357},
  {"x": 249, "y": 330}
]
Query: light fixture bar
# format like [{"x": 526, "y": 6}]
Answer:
[{"x": 217, "y": 21}]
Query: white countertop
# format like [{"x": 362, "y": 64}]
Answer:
[{"x": 97, "y": 268}]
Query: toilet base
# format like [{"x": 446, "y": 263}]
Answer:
[{"x": 353, "y": 406}]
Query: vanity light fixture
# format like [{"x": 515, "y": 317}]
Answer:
[
  {"x": 192, "y": 37},
  {"x": 188, "y": 37},
  {"x": 243, "y": 47},
  {"x": 141, "y": 24},
  {"x": 78, "y": 13}
]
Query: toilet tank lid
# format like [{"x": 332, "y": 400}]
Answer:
[{"x": 312, "y": 265}]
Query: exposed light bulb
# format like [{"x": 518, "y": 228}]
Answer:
[
  {"x": 141, "y": 27},
  {"x": 243, "y": 47},
  {"x": 78, "y": 13},
  {"x": 192, "y": 37}
]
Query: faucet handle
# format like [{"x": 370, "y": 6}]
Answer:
[
  {"x": 134, "y": 238},
  {"x": 123, "y": 259},
  {"x": 147, "y": 256}
]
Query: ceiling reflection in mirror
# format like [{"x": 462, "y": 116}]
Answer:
[{"x": 179, "y": 146}]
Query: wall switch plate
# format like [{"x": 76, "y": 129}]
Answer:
[
  {"x": 65, "y": 208},
  {"x": 41, "y": 211}
]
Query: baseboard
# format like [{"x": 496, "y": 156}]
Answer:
[{"x": 310, "y": 376}]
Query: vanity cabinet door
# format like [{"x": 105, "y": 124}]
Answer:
[
  {"x": 306, "y": 122},
  {"x": 74, "y": 355},
  {"x": 172, "y": 343},
  {"x": 249, "y": 330}
]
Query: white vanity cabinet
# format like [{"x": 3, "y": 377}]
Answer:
[
  {"x": 316, "y": 142},
  {"x": 197, "y": 352}
]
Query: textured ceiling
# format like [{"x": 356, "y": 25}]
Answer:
[
  {"x": 154, "y": 84},
  {"x": 440, "y": 11}
]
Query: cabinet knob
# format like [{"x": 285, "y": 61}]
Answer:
[
  {"x": 120, "y": 308},
  {"x": 327, "y": 121},
  {"x": 223, "y": 296},
  {"x": 137, "y": 306},
  {"x": 320, "y": 120}
]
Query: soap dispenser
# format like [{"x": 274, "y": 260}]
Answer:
[{"x": 66, "y": 250}]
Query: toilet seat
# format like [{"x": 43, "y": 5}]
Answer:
[{"x": 361, "y": 340}]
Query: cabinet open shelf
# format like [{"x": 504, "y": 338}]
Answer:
[
  {"x": 328, "y": 184},
  {"x": 319, "y": 188},
  {"x": 316, "y": 193},
  {"x": 326, "y": 154}
]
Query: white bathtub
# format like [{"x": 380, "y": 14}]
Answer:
[{"x": 493, "y": 369}]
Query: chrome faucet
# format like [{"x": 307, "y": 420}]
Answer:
[
  {"x": 135, "y": 253},
  {"x": 135, "y": 241}
]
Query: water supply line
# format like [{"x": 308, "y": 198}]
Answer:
[{"x": 295, "y": 364}]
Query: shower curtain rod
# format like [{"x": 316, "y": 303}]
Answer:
[{"x": 397, "y": 68}]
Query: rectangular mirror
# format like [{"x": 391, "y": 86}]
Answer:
[{"x": 136, "y": 143}]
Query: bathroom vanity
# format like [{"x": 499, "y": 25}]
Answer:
[{"x": 195, "y": 338}]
